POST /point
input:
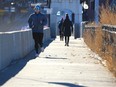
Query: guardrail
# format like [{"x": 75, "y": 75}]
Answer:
[
  {"x": 109, "y": 27},
  {"x": 17, "y": 44}
]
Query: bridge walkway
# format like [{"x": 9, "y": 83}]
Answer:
[{"x": 59, "y": 66}]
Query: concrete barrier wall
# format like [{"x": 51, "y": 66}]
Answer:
[
  {"x": 102, "y": 40},
  {"x": 16, "y": 45}
]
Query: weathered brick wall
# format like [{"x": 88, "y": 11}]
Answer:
[{"x": 102, "y": 40}]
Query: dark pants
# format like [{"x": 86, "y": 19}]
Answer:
[
  {"x": 38, "y": 39},
  {"x": 61, "y": 36},
  {"x": 66, "y": 40}
]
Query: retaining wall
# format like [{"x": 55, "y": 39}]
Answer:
[{"x": 16, "y": 45}]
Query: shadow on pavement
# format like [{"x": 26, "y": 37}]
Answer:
[
  {"x": 54, "y": 58},
  {"x": 16, "y": 66},
  {"x": 66, "y": 84}
]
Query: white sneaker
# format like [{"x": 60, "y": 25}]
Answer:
[
  {"x": 36, "y": 55},
  {"x": 42, "y": 49}
]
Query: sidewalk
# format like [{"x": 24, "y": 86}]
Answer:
[{"x": 59, "y": 66}]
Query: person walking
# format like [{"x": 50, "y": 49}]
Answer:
[
  {"x": 60, "y": 26},
  {"x": 36, "y": 22},
  {"x": 68, "y": 28}
]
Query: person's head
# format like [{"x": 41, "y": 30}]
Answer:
[
  {"x": 37, "y": 8},
  {"x": 67, "y": 17}
]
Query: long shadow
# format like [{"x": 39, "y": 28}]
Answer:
[
  {"x": 66, "y": 84},
  {"x": 16, "y": 66}
]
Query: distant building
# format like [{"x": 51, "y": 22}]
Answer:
[{"x": 60, "y": 8}]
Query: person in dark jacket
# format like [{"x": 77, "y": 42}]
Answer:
[
  {"x": 60, "y": 26},
  {"x": 36, "y": 22},
  {"x": 68, "y": 28}
]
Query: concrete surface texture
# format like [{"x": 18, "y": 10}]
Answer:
[
  {"x": 17, "y": 44},
  {"x": 59, "y": 66},
  {"x": 14, "y": 45}
]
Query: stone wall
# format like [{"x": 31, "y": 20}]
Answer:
[
  {"x": 102, "y": 40},
  {"x": 16, "y": 45}
]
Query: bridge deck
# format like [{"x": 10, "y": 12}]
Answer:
[{"x": 59, "y": 66}]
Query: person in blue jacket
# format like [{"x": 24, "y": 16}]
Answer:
[{"x": 36, "y": 22}]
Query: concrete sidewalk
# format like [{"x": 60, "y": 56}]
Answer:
[{"x": 59, "y": 66}]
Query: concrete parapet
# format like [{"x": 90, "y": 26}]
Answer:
[
  {"x": 16, "y": 45},
  {"x": 6, "y": 53},
  {"x": 47, "y": 34}
]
